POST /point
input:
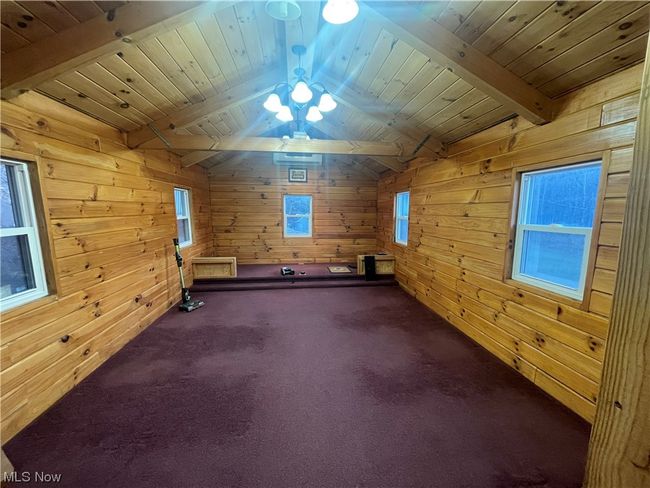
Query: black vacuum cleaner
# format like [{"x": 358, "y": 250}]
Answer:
[{"x": 187, "y": 304}]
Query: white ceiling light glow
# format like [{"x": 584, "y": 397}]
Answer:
[
  {"x": 301, "y": 93},
  {"x": 340, "y": 11},
  {"x": 284, "y": 114},
  {"x": 327, "y": 103},
  {"x": 313, "y": 114},
  {"x": 273, "y": 103},
  {"x": 304, "y": 100}
]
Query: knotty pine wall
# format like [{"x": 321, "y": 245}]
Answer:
[
  {"x": 110, "y": 222},
  {"x": 246, "y": 201},
  {"x": 455, "y": 262}
]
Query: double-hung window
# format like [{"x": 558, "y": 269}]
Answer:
[
  {"x": 402, "y": 218},
  {"x": 554, "y": 227},
  {"x": 22, "y": 273},
  {"x": 183, "y": 217},
  {"x": 297, "y": 215}
]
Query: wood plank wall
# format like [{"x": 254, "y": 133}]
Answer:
[
  {"x": 110, "y": 219},
  {"x": 247, "y": 219},
  {"x": 455, "y": 262}
]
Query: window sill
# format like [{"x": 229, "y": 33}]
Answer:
[
  {"x": 28, "y": 306},
  {"x": 574, "y": 302}
]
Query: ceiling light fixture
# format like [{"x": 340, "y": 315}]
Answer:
[
  {"x": 283, "y": 10},
  {"x": 326, "y": 103},
  {"x": 284, "y": 114},
  {"x": 273, "y": 103},
  {"x": 287, "y": 100},
  {"x": 340, "y": 11},
  {"x": 313, "y": 114},
  {"x": 301, "y": 93}
]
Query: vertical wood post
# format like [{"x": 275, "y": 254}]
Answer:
[{"x": 619, "y": 449}]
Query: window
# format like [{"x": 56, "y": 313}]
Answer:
[
  {"x": 554, "y": 223},
  {"x": 402, "y": 218},
  {"x": 183, "y": 219},
  {"x": 22, "y": 275},
  {"x": 297, "y": 215}
]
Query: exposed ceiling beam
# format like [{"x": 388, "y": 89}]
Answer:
[
  {"x": 334, "y": 131},
  {"x": 254, "y": 129},
  {"x": 447, "y": 49},
  {"x": 302, "y": 31},
  {"x": 356, "y": 100},
  {"x": 276, "y": 144},
  {"x": 196, "y": 112},
  {"x": 43, "y": 60}
]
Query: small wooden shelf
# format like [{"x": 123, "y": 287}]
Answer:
[
  {"x": 214, "y": 267},
  {"x": 384, "y": 264}
]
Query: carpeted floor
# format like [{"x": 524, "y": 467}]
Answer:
[{"x": 334, "y": 387}]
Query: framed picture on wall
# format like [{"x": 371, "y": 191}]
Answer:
[{"x": 297, "y": 175}]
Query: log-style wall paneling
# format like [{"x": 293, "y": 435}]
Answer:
[
  {"x": 111, "y": 219},
  {"x": 619, "y": 453},
  {"x": 455, "y": 261},
  {"x": 246, "y": 202}
]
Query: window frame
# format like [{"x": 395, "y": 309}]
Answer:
[
  {"x": 188, "y": 205},
  {"x": 27, "y": 208},
  {"x": 285, "y": 215},
  {"x": 513, "y": 264},
  {"x": 397, "y": 218}
]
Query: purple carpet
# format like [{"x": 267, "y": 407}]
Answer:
[{"x": 332, "y": 387}]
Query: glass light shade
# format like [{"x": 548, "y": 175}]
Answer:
[
  {"x": 301, "y": 93},
  {"x": 284, "y": 114},
  {"x": 313, "y": 114},
  {"x": 326, "y": 103},
  {"x": 273, "y": 103},
  {"x": 340, "y": 11},
  {"x": 282, "y": 9}
]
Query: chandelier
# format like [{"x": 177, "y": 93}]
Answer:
[{"x": 312, "y": 97}]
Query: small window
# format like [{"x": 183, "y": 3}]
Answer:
[
  {"x": 402, "y": 218},
  {"x": 22, "y": 274},
  {"x": 554, "y": 224},
  {"x": 297, "y": 215},
  {"x": 183, "y": 218}
]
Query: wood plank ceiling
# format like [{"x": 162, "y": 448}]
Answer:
[{"x": 387, "y": 89}]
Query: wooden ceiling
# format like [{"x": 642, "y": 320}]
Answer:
[{"x": 227, "y": 56}]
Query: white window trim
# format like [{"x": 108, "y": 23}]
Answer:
[
  {"x": 285, "y": 215},
  {"x": 26, "y": 203},
  {"x": 399, "y": 218},
  {"x": 188, "y": 217},
  {"x": 555, "y": 228}
]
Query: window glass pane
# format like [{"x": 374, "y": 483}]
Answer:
[
  {"x": 297, "y": 204},
  {"x": 564, "y": 197},
  {"x": 183, "y": 230},
  {"x": 402, "y": 204},
  {"x": 10, "y": 214},
  {"x": 16, "y": 274},
  {"x": 402, "y": 230},
  {"x": 553, "y": 257},
  {"x": 180, "y": 197},
  {"x": 297, "y": 226}
]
